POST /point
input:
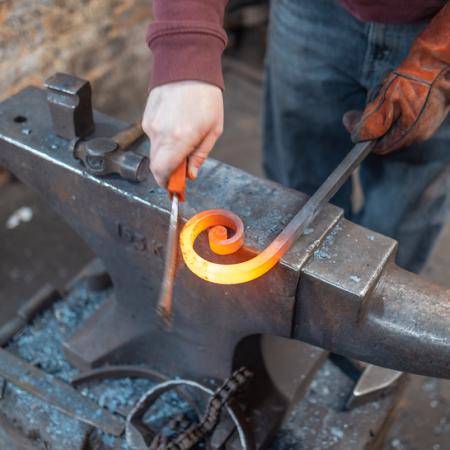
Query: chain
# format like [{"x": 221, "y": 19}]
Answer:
[{"x": 196, "y": 432}]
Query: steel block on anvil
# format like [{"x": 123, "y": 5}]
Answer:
[{"x": 349, "y": 288}]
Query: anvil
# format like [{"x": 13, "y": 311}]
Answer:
[{"x": 337, "y": 288}]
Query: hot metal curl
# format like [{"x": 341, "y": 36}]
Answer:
[{"x": 217, "y": 221}]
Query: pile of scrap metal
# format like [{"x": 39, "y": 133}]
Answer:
[{"x": 337, "y": 288}]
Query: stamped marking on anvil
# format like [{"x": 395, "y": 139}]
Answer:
[
  {"x": 132, "y": 236},
  {"x": 138, "y": 240}
]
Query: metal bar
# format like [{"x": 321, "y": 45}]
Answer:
[
  {"x": 164, "y": 306},
  {"x": 322, "y": 196},
  {"x": 60, "y": 395}
]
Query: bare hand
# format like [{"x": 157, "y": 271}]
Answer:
[{"x": 183, "y": 120}]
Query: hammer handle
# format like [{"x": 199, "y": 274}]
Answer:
[{"x": 128, "y": 136}]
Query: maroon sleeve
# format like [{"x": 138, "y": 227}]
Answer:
[{"x": 187, "y": 40}]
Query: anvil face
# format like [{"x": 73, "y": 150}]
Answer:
[{"x": 337, "y": 287}]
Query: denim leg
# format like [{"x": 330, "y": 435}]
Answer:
[
  {"x": 315, "y": 57},
  {"x": 407, "y": 193},
  {"x": 321, "y": 62},
  {"x": 407, "y": 196}
]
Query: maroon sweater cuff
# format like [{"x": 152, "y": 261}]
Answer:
[
  {"x": 187, "y": 40},
  {"x": 190, "y": 52}
]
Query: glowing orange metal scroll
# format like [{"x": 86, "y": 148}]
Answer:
[{"x": 217, "y": 221}]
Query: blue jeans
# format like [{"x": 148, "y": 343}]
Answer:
[{"x": 322, "y": 62}]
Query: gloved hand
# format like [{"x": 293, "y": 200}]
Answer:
[
  {"x": 415, "y": 98},
  {"x": 183, "y": 121}
]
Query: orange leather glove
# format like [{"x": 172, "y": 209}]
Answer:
[{"x": 414, "y": 99}]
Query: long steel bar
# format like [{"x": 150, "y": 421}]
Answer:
[
  {"x": 164, "y": 306},
  {"x": 295, "y": 228}
]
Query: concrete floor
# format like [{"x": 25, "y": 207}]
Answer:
[{"x": 45, "y": 249}]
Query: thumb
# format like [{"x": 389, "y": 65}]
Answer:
[{"x": 350, "y": 119}]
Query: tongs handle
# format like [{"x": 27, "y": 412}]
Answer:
[{"x": 177, "y": 182}]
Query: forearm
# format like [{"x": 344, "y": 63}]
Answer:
[
  {"x": 187, "y": 40},
  {"x": 432, "y": 47}
]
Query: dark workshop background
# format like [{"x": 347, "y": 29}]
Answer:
[{"x": 103, "y": 41}]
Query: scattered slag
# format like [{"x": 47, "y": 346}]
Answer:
[{"x": 40, "y": 345}]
